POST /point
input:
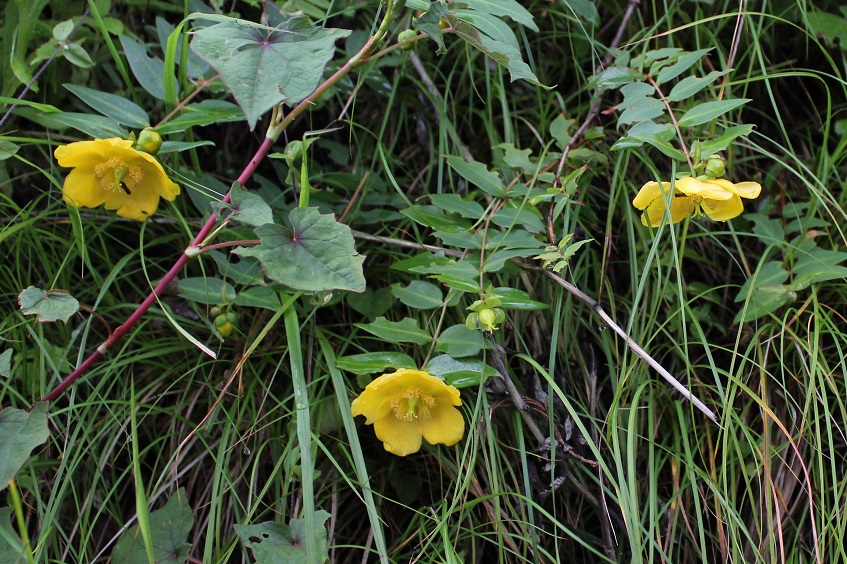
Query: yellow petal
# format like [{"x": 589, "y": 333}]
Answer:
[
  {"x": 713, "y": 189},
  {"x": 82, "y": 188},
  {"x": 89, "y": 153},
  {"x": 139, "y": 205},
  {"x": 722, "y": 210},
  {"x": 154, "y": 174},
  {"x": 649, "y": 193},
  {"x": 747, "y": 189},
  {"x": 445, "y": 425},
  {"x": 681, "y": 207},
  {"x": 398, "y": 436}
]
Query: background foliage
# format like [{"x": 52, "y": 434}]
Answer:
[{"x": 440, "y": 162}]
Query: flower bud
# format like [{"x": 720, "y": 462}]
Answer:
[
  {"x": 488, "y": 319},
  {"x": 406, "y": 35},
  {"x": 149, "y": 141},
  {"x": 715, "y": 166}
]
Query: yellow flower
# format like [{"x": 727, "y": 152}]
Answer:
[
  {"x": 718, "y": 198},
  {"x": 407, "y": 405},
  {"x": 111, "y": 172}
]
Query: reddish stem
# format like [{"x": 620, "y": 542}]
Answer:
[{"x": 161, "y": 286}]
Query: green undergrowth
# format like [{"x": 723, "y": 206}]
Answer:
[{"x": 219, "y": 428}]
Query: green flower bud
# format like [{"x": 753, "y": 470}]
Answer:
[
  {"x": 226, "y": 330},
  {"x": 406, "y": 35},
  {"x": 715, "y": 166},
  {"x": 220, "y": 321},
  {"x": 488, "y": 319},
  {"x": 472, "y": 322},
  {"x": 148, "y": 141}
]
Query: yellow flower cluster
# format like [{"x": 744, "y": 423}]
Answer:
[
  {"x": 718, "y": 198},
  {"x": 112, "y": 172},
  {"x": 408, "y": 405}
]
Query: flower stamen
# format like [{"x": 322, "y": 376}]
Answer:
[{"x": 116, "y": 175}]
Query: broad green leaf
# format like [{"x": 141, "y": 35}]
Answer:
[
  {"x": 8, "y": 149},
  {"x": 682, "y": 64},
  {"x": 458, "y": 341},
  {"x": 489, "y": 25},
  {"x": 119, "y": 109},
  {"x": 657, "y": 135},
  {"x": 691, "y": 85},
  {"x": 508, "y": 217},
  {"x": 512, "y": 298},
  {"x": 249, "y": 207},
  {"x": 453, "y": 203},
  {"x": 62, "y": 30},
  {"x": 405, "y": 331},
  {"x": 275, "y": 543},
  {"x": 461, "y": 275},
  {"x": 20, "y": 432},
  {"x": 765, "y": 290},
  {"x": 207, "y": 290},
  {"x": 419, "y": 294},
  {"x": 615, "y": 77},
  {"x": 370, "y": 363},
  {"x": 819, "y": 265},
  {"x": 497, "y": 260},
  {"x": 11, "y": 545},
  {"x": 508, "y": 8},
  {"x": 264, "y": 66},
  {"x": 428, "y": 23},
  {"x": 460, "y": 373},
  {"x": 584, "y": 10},
  {"x": 638, "y": 109},
  {"x": 833, "y": 28},
  {"x": 520, "y": 159},
  {"x": 149, "y": 71},
  {"x": 258, "y": 296},
  {"x": 769, "y": 229},
  {"x": 502, "y": 53},
  {"x": 560, "y": 129},
  {"x": 245, "y": 271},
  {"x": 707, "y": 111},
  {"x": 478, "y": 174},
  {"x": 314, "y": 254},
  {"x": 462, "y": 239},
  {"x": 169, "y": 528},
  {"x": 203, "y": 113},
  {"x": 371, "y": 303},
  {"x": 6, "y": 363},
  {"x": 177, "y": 146},
  {"x": 76, "y": 54},
  {"x": 49, "y": 306}
]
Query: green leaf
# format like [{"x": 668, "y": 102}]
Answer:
[
  {"x": 453, "y": 203},
  {"x": 275, "y": 543},
  {"x": 502, "y": 53},
  {"x": 8, "y": 149},
  {"x": 819, "y": 265},
  {"x": 428, "y": 23},
  {"x": 682, "y": 64},
  {"x": 314, "y": 254},
  {"x": 98, "y": 127},
  {"x": 833, "y": 28},
  {"x": 49, "y": 306},
  {"x": 203, "y": 113},
  {"x": 177, "y": 146},
  {"x": 419, "y": 294},
  {"x": 149, "y": 71},
  {"x": 370, "y": 363},
  {"x": 478, "y": 175},
  {"x": 258, "y": 296},
  {"x": 371, "y": 303},
  {"x": 20, "y": 432},
  {"x": 460, "y": 373},
  {"x": 76, "y": 54},
  {"x": 512, "y": 298},
  {"x": 461, "y": 275},
  {"x": 264, "y": 66},
  {"x": 169, "y": 529},
  {"x": 765, "y": 290},
  {"x": 509, "y": 217},
  {"x": 730, "y": 134},
  {"x": 249, "y": 207},
  {"x": 405, "y": 331},
  {"x": 458, "y": 341},
  {"x": 508, "y": 8},
  {"x": 640, "y": 108},
  {"x": 11, "y": 545},
  {"x": 6, "y": 363},
  {"x": 691, "y": 85},
  {"x": 207, "y": 290},
  {"x": 119, "y": 109},
  {"x": 708, "y": 111},
  {"x": 432, "y": 216}
]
